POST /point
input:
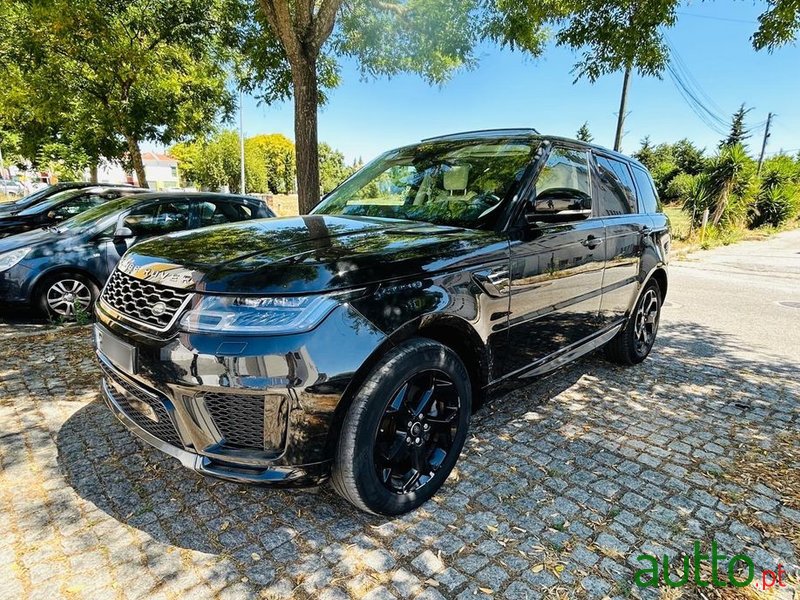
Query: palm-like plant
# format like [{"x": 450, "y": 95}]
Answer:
[
  {"x": 778, "y": 197},
  {"x": 725, "y": 188}
]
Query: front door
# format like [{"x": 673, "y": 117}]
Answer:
[
  {"x": 557, "y": 260},
  {"x": 158, "y": 218}
]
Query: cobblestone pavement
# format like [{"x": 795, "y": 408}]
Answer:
[{"x": 560, "y": 487}]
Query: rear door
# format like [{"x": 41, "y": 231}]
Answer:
[
  {"x": 625, "y": 228},
  {"x": 215, "y": 210}
]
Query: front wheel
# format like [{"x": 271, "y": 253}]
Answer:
[
  {"x": 67, "y": 296},
  {"x": 405, "y": 429},
  {"x": 635, "y": 341}
]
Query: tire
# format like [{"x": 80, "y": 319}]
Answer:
[
  {"x": 635, "y": 341},
  {"x": 66, "y": 296},
  {"x": 380, "y": 423}
]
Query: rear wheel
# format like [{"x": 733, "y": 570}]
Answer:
[
  {"x": 632, "y": 345},
  {"x": 67, "y": 296},
  {"x": 405, "y": 429}
]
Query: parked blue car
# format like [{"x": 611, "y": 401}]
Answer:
[{"x": 60, "y": 269}]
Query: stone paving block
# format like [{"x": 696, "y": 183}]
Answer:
[{"x": 593, "y": 487}]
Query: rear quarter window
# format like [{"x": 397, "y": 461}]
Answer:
[{"x": 648, "y": 199}]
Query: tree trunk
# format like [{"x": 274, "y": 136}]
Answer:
[
  {"x": 136, "y": 160},
  {"x": 306, "y": 95},
  {"x": 93, "y": 171}
]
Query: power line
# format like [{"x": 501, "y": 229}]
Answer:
[
  {"x": 693, "y": 94},
  {"x": 715, "y": 18}
]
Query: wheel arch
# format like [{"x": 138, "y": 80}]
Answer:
[
  {"x": 451, "y": 331},
  {"x": 36, "y": 285},
  {"x": 659, "y": 274}
]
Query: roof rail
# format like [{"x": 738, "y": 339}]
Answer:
[{"x": 506, "y": 131}]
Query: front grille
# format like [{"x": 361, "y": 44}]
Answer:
[
  {"x": 163, "y": 429},
  {"x": 135, "y": 298},
  {"x": 249, "y": 421}
]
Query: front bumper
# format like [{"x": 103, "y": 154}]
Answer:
[
  {"x": 250, "y": 410},
  {"x": 279, "y": 476}
]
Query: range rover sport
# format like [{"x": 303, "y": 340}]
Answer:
[{"x": 354, "y": 343}]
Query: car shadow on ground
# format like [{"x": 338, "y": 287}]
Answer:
[{"x": 523, "y": 468}]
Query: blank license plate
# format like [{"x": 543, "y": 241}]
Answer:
[{"x": 120, "y": 354}]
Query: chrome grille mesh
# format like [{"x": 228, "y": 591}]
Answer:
[
  {"x": 136, "y": 299},
  {"x": 123, "y": 392}
]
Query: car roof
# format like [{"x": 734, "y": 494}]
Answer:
[
  {"x": 200, "y": 195},
  {"x": 528, "y": 134}
]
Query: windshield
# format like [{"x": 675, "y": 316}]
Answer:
[
  {"x": 457, "y": 183},
  {"x": 25, "y": 200},
  {"x": 89, "y": 217},
  {"x": 50, "y": 202}
]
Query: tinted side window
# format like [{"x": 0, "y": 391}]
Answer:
[
  {"x": 217, "y": 212},
  {"x": 564, "y": 184},
  {"x": 77, "y": 205},
  {"x": 617, "y": 196},
  {"x": 648, "y": 199},
  {"x": 158, "y": 219}
]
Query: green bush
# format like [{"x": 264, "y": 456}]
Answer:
[
  {"x": 777, "y": 199},
  {"x": 727, "y": 188},
  {"x": 679, "y": 188}
]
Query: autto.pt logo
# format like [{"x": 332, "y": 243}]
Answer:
[{"x": 694, "y": 569}]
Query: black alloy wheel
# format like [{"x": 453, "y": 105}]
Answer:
[
  {"x": 404, "y": 430},
  {"x": 635, "y": 341},
  {"x": 417, "y": 432}
]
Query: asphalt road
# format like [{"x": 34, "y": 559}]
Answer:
[{"x": 738, "y": 290}]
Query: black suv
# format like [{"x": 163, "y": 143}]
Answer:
[{"x": 354, "y": 342}]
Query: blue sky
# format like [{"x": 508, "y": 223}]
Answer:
[{"x": 363, "y": 118}]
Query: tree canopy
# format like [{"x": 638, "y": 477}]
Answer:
[
  {"x": 105, "y": 76},
  {"x": 583, "y": 133},
  {"x": 293, "y": 48}
]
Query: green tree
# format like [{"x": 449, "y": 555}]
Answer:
[
  {"x": 739, "y": 132},
  {"x": 332, "y": 168},
  {"x": 645, "y": 153},
  {"x": 778, "y": 25},
  {"x": 688, "y": 158},
  {"x": 292, "y": 48},
  {"x": 270, "y": 163},
  {"x": 127, "y": 71},
  {"x": 212, "y": 162},
  {"x": 583, "y": 133},
  {"x": 621, "y": 35}
]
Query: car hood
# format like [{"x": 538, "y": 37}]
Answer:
[
  {"x": 306, "y": 254},
  {"x": 32, "y": 238}
]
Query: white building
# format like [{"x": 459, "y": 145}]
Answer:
[{"x": 161, "y": 171}]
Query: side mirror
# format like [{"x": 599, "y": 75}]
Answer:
[
  {"x": 123, "y": 233},
  {"x": 561, "y": 204}
]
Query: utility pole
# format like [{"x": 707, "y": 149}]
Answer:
[
  {"x": 241, "y": 141},
  {"x": 623, "y": 101},
  {"x": 764, "y": 143}
]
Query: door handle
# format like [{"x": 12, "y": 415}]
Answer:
[{"x": 592, "y": 242}]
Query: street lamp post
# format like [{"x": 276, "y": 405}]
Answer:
[{"x": 241, "y": 139}]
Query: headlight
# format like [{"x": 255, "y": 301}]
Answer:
[
  {"x": 9, "y": 259},
  {"x": 257, "y": 316}
]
